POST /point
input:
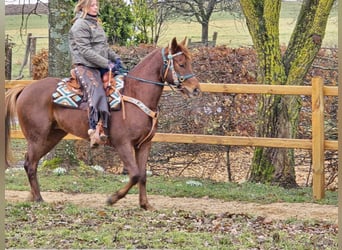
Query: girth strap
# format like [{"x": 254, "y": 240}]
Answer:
[
  {"x": 141, "y": 105},
  {"x": 146, "y": 110}
]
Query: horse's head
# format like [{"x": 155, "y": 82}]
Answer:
[{"x": 177, "y": 69}]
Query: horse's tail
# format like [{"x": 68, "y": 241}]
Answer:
[{"x": 11, "y": 97}]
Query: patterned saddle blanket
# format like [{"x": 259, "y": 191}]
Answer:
[{"x": 68, "y": 96}]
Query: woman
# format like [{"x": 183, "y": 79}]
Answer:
[{"x": 91, "y": 58}]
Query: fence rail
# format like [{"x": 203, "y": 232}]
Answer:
[{"x": 317, "y": 144}]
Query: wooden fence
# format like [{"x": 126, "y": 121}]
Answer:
[
  {"x": 208, "y": 43},
  {"x": 317, "y": 144},
  {"x": 30, "y": 52}
]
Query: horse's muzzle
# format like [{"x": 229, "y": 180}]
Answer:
[
  {"x": 196, "y": 92},
  {"x": 190, "y": 91}
]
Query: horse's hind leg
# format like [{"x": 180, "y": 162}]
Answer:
[
  {"x": 31, "y": 172},
  {"x": 35, "y": 151}
]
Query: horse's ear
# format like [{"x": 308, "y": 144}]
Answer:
[
  {"x": 185, "y": 42},
  {"x": 174, "y": 45}
]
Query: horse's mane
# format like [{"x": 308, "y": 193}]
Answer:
[{"x": 146, "y": 57}]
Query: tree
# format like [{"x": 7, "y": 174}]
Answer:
[
  {"x": 150, "y": 17},
  {"x": 279, "y": 114},
  {"x": 144, "y": 19},
  {"x": 201, "y": 11},
  {"x": 117, "y": 21},
  {"x": 60, "y": 16}
]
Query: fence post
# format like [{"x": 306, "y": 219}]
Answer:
[
  {"x": 214, "y": 38},
  {"x": 8, "y": 58},
  {"x": 318, "y": 138},
  {"x": 33, "y": 44}
]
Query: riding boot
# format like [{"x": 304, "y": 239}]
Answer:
[
  {"x": 99, "y": 129},
  {"x": 94, "y": 138},
  {"x": 97, "y": 136}
]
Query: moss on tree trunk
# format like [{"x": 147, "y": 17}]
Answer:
[
  {"x": 60, "y": 16},
  {"x": 278, "y": 115}
]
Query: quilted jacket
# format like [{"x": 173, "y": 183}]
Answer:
[{"x": 88, "y": 43}]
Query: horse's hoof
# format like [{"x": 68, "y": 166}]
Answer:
[
  {"x": 112, "y": 200},
  {"x": 32, "y": 198},
  {"x": 148, "y": 207},
  {"x": 38, "y": 200}
]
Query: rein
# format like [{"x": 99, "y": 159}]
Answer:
[{"x": 168, "y": 64}]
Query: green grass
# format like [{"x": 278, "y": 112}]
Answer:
[
  {"x": 86, "y": 180},
  {"x": 65, "y": 226},
  {"x": 17, "y": 33}
]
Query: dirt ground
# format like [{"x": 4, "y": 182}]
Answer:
[
  {"x": 217, "y": 171},
  {"x": 274, "y": 211},
  {"x": 240, "y": 166}
]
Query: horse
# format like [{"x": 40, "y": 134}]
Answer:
[{"x": 44, "y": 123}]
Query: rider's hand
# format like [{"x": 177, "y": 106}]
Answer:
[
  {"x": 118, "y": 63},
  {"x": 111, "y": 66}
]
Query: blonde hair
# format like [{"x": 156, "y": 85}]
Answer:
[{"x": 84, "y": 5}]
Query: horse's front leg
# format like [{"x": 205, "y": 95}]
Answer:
[
  {"x": 127, "y": 156},
  {"x": 142, "y": 157},
  {"x": 114, "y": 198}
]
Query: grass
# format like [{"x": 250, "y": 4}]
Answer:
[
  {"x": 87, "y": 180},
  {"x": 231, "y": 32},
  {"x": 66, "y": 226},
  {"x": 38, "y": 27}
]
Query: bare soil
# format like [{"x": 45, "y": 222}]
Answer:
[{"x": 274, "y": 211}]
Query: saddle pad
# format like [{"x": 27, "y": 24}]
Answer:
[
  {"x": 67, "y": 98},
  {"x": 114, "y": 99}
]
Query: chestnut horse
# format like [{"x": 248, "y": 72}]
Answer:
[{"x": 131, "y": 129}]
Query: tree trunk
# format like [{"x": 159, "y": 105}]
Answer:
[
  {"x": 205, "y": 32},
  {"x": 279, "y": 114},
  {"x": 60, "y": 16}
]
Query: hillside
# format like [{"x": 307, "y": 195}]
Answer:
[{"x": 17, "y": 9}]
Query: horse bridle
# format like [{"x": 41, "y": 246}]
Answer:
[{"x": 167, "y": 65}]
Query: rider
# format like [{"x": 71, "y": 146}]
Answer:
[{"x": 91, "y": 58}]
